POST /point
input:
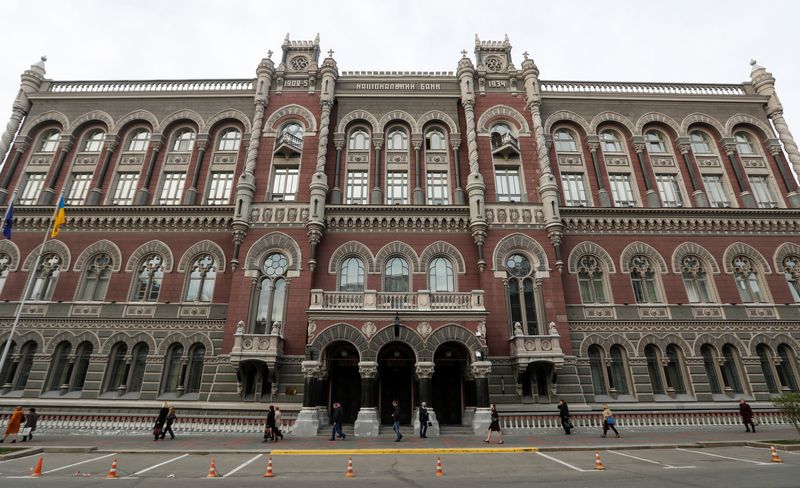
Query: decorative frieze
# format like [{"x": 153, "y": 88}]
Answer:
[
  {"x": 662, "y": 161},
  {"x": 131, "y": 159},
  {"x": 221, "y": 158},
  {"x": 86, "y": 159},
  {"x": 761, "y": 313},
  {"x": 34, "y": 309},
  {"x": 516, "y": 214},
  {"x": 707, "y": 313},
  {"x": 194, "y": 311},
  {"x": 617, "y": 161},
  {"x": 750, "y": 162},
  {"x": 570, "y": 160},
  {"x": 139, "y": 310},
  {"x": 85, "y": 310},
  {"x": 653, "y": 313},
  {"x": 41, "y": 159},
  {"x": 358, "y": 157},
  {"x": 708, "y": 162},
  {"x": 282, "y": 213},
  {"x": 599, "y": 313},
  {"x": 436, "y": 157},
  {"x": 178, "y": 158}
]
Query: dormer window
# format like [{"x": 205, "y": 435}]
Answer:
[
  {"x": 139, "y": 140},
  {"x": 49, "y": 141},
  {"x": 397, "y": 140},
  {"x": 94, "y": 141},
  {"x": 611, "y": 141},
  {"x": 184, "y": 141}
]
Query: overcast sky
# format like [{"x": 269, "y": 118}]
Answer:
[{"x": 689, "y": 41}]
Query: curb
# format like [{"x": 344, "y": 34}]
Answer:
[{"x": 29, "y": 451}]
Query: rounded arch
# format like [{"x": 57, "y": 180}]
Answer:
[
  {"x": 519, "y": 242},
  {"x": 784, "y": 250},
  {"x": 700, "y": 118},
  {"x": 361, "y": 115},
  {"x": 23, "y": 337},
  {"x": 740, "y": 248},
  {"x": 340, "y": 332},
  {"x": 688, "y": 248},
  {"x": 93, "y": 116},
  {"x": 8, "y": 247},
  {"x": 49, "y": 116},
  {"x": 203, "y": 247},
  {"x": 184, "y": 115},
  {"x": 397, "y": 115},
  {"x": 227, "y": 115},
  {"x": 662, "y": 343},
  {"x": 352, "y": 248},
  {"x": 772, "y": 342},
  {"x": 718, "y": 342},
  {"x": 397, "y": 248},
  {"x": 154, "y": 246},
  {"x": 54, "y": 246},
  {"x": 73, "y": 339},
  {"x": 173, "y": 338},
  {"x": 294, "y": 110},
  {"x": 435, "y": 115},
  {"x": 588, "y": 247},
  {"x": 566, "y": 116},
  {"x": 658, "y": 118},
  {"x": 610, "y": 116},
  {"x": 274, "y": 241},
  {"x": 136, "y": 116},
  {"x": 105, "y": 246},
  {"x": 129, "y": 339},
  {"x": 453, "y": 333},
  {"x": 737, "y": 119},
  {"x": 199, "y": 338},
  {"x": 639, "y": 247},
  {"x": 445, "y": 249},
  {"x": 504, "y": 112},
  {"x": 606, "y": 342},
  {"x": 407, "y": 336}
]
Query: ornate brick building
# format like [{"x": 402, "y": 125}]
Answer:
[{"x": 309, "y": 236}]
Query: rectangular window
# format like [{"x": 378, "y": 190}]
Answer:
[
  {"x": 508, "y": 187},
  {"x": 438, "y": 191},
  {"x": 574, "y": 190},
  {"x": 125, "y": 189},
  {"x": 219, "y": 189},
  {"x": 284, "y": 184},
  {"x": 621, "y": 190},
  {"x": 34, "y": 182},
  {"x": 356, "y": 188},
  {"x": 762, "y": 192},
  {"x": 715, "y": 189},
  {"x": 670, "y": 190},
  {"x": 172, "y": 190},
  {"x": 79, "y": 188},
  {"x": 397, "y": 188}
]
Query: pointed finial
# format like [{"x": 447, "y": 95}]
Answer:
[
  {"x": 287, "y": 37},
  {"x": 525, "y": 55},
  {"x": 330, "y": 53},
  {"x": 463, "y": 53},
  {"x": 44, "y": 57},
  {"x": 476, "y": 39},
  {"x": 753, "y": 62},
  {"x": 316, "y": 39},
  {"x": 506, "y": 35},
  {"x": 755, "y": 65},
  {"x": 269, "y": 54}
]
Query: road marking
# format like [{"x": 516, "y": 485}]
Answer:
[
  {"x": 241, "y": 466},
  {"x": 666, "y": 466},
  {"x": 759, "y": 463},
  {"x": 155, "y": 466},
  {"x": 426, "y": 450},
  {"x": 78, "y": 464},
  {"x": 565, "y": 463}
]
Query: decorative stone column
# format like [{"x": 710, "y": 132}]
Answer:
[
  {"x": 144, "y": 191},
  {"x": 336, "y": 192},
  {"x": 190, "y": 198},
  {"x": 377, "y": 191},
  {"x": 651, "y": 195},
  {"x": 774, "y": 148},
  {"x": 418, "y": 196},
  {"x": 455, "y": 143},
  {"x": 21, "y": 146},
  {"x": 367, "y": 423},
  {"x": 424, "y": 375},
  {"x": 698, "y": 193},
  {"x": 593, "y": 142},
  {"x": 46, "y": 196},
  {"x": 482, "y": 419},
  {"x": 307, "y": 422},
  {"x": 743, "y": 184},
  {"x": 96, "y": 195}
]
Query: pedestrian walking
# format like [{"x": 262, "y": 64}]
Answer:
[
  {"x": 278, "y": 424},
  {"x": 14, "y": 422},
  {"x": 396, "y": 420},
  {"x": 168, "y": 425},
  {"x": 158, "y": 427},
  {"x": 31, "y": 419},
  {"x": 563, "y": 413},
  {"x": 747, "y": 416},
  {"x": 494, "y": 426},
  {"x": 269, "y": 431},
  {"x": 423, "y": 421},
  {"x": 336, "y": 417},
  {"x": 609, "y": 422}
]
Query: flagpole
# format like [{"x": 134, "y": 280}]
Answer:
[{"x": 27, "y": 286}]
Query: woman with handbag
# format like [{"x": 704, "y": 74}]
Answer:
[
  {"x": 563, "y": 413},
  {"x": 31, "y": 419},
  {"x": 494, "y": 426},
  {"x": 609, "y": 422},
  {"x": 14, "y": 421},
  {"x": 158, "y": 427},
  {"x": 171, "y": 417}
]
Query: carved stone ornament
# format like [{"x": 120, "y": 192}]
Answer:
[
  {"x": 240, "y": 328},
  {"x": 368, "y": 369},
  {"x": 312, "y": 329},
  {"x": 518, "y": 329},
  {"x": 276, "y": 328},
  {"x": 481, "y": 329},
  {"x": 424, "y": 369},
  {"x": 481, "y": 369},
  {"x": 369, "y": 329},
  {"x": 424, "y": 329},
  {"x": 311, "y": 368}
]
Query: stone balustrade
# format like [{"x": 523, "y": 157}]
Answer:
[
  {"x": 149, "y": 86},
  {"x": 422, "y": 300},
  {"x": 264, "y": 347},
  {"x": 525, "y": 348},
  {"x": 642, "y": 88}
]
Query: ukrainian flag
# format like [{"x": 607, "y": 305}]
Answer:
[{"x": 60, "y": 218}]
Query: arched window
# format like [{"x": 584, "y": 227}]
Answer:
[
  {"x": 435, "y": 141},
  {"x": 597, "y": 367},
  {"x": 81, "y": 366},
  {"x": 397, "y": 140},
  {"x": 766, "y": 359},
  {"x": 695, "y": 279},
  {"x": 674, "y": 370},
  {"x": 351, "y": 275},
  {"x": 194, "y": 376},
  {"x": 440, "y": 275},
  {"x": 787, "y": 367},
  {"x": 5, "y": 266},
  {"x": 184, "y": 141},
  {"x": 501, "y": 128},
  {"x": 359, "y": 140},
  {"x": 791, "y": 270},
  {"x": 745, "y": 144},
  {"x": 272, "y": 297},
  {"x": 710, "y": 362},
  {"x": 611, "y": 141},
  {"x": 94, "y": 141},
  {"x": 59, "y": 370},
  {"x": 746, "y": 275},
  {"x": 590, "y": 280},
  {"x": 396, "y": 275},
  {"x": 653, "y": 356},
  {"x": 656, "y": 142},
  {"x": 202, "y": 276},
  {"x": 147, "y": 286},
  {"x": 49, "y": 141},
  {"x": 565, "y": 141},
  {"x": 229, "y": 140},
  {"x": 95, "y": 278},
  {"x": 45, "y": 277},
  {"x": 7, "y": 371},
  {"x": 701, "y": 143},
  {"x": 139, "y": 140},
  {"x": 521, "y": 293},
  {"x": 23, "y": 366},
  {"x": 643, "y": 279},
  {"x": 138, "y": 365},
  {"x": 618, "y": 378},
  {"x": 117, "y": 368},
  {"x": 730, "y": 369},
  {"x": 295, "y": 130},
  {"x": 172, "y": 369}
]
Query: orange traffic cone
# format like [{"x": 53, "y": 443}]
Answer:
[
  {"x": 37, "y": 471},
  {"x": 268, "y": 473},
  {"x": 212, "y": 470},
  {"x": 350, "y": 473},
  {"x": 439, "y": 471},
  {"x": 775, "y": 457},
  {"x": 112, "y": 473},
  {"x": 598, "y": 463}
]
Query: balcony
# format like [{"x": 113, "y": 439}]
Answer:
[
  {"x": 261, "y": 347},
  {"x": 528, "y": 348},
  {"x": 288, "y": 145},
  {"x": 422, "y": 300},
  {"x": 505, "y": 145}
]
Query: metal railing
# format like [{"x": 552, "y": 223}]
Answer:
[
  {"x": 501, "y": 140},
  {"x": 288, "y": 139}
]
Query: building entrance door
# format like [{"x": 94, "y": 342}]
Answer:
[
  {"x": 450, "y": 363},
  {"x": 344, "y": 384},
  {"x": 396, "y": 381},
  {"x": 542, "y": 382},
  {"x": 254, "y": 380}
]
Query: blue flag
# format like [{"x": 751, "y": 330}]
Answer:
[{"x": 8, "y": 221}]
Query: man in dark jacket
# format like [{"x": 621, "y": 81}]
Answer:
[
  {"x": 747, "y": 416},
  {"x": 423, "y": 420},
  {"x": 563, "y": 413},
  {"x": 31, "y": 418},
  {"x": 160, "y": 420},
  {"x": 336, "y": 417},
  {"x": 396, "y": 420}
]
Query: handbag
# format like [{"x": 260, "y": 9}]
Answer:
[
  {"x": 569, "y": 424},
  {"x": 610, "y": 420},
  {"x": 756, "y": 421},
  {"x": 26, "y": 431},
  {"x": 430, "y": 424},
  {"x": 156, "y": 431}
]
